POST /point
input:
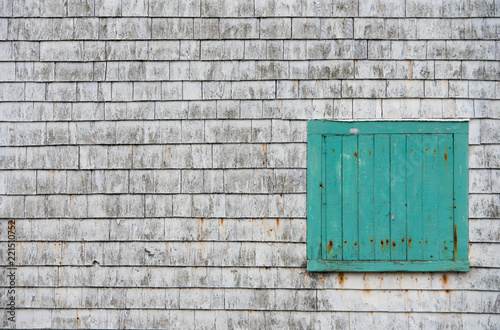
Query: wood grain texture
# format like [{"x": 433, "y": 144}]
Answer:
[
  {"x": 397, "y": 197},
  {"x": 154, "y": 156}
]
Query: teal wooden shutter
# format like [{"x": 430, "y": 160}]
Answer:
[{"x": 387, "y": 196}]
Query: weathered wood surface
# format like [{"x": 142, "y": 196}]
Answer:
[
  {"x": 88, "y": 318},
  {"x": 149, "y": 148},
  {"x": 276, "y": 299},
  {"x": 192, "y": 229},
  {"x": 177, "y": 253},
  {"x": 482, "y": 279},
  {"x": 423, "y": 180}
]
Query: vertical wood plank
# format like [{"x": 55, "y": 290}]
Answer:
[
  {"x": 314, "y": 196},
  {"x": 414, "y": 194},
  {"x": 430, "y": 197},
  {"x": 382, "y": 207},
  {"x": 350, "y": 197},
  {"x": 333, "y": 241},
  {"x": 445, "y": 162},
  {"x": 461, "y": 188},
  {"x": 398, "y": 197},
  {"x": 365, "y": 197}
]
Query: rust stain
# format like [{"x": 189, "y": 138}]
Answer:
[
  {"x": 371, "y": 240},
  {"x": 277, "y": 223},
  {"x": 341, "y": 279},
  {"x": 445, "y": 156},
  {"x": 455, "y": 242},
  {"x": 409, "y": 242},
  {"x": 329, "y": 247},
  {"x": 345, "y": 242},
  {"x": 202, "y": 221},
  {"x": 393, "y": 244},
  {"x": 426, "y": 149},
  {"x": 355, "y": 243},
  {"x": 419, "y": 242},
  {"x": 402, "y": 240},
  {"x": 321, "y": 279},
  {"x": 411, "y": 150},
  {"x": 321, "y": 185},
  {"x": 382, "y": 243},
  {"x": 434, "y": 150},
  {"x": 355, "y": 154},
  {"x": 445, "y": 279},
  {"x": 387, "y": 241},
  {"x": 222, "y": 222},
  {"x": 333, "y": 150},
  {"x": 263, "y": 147}
]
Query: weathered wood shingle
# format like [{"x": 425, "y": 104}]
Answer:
[{"x": 153, "y": 155}]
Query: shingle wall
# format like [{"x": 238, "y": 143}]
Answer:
[{"x": 153, "y": 157}]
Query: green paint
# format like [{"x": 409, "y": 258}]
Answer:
[
  {"x": 430, "y": 197},
  {"x": 398, "y": 197},
  {"x": 388, "y": 266},
  {"x": 387, "y": 127},
  {"x": 382, "y": 205},
  {"x": 333, "y": 242},
  {"x": 387, "y": 196},
  {"x": 461, "y": 190},
  {"x": 445, "y": 161},
  {"x": 314, "y": 196},
  {"x": 365, "y": 197},
  {"x": 350, "y": 197},
  {"x": 414, "y": 210}
]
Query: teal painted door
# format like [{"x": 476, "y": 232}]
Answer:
[{"x": 389, "y": 197}]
